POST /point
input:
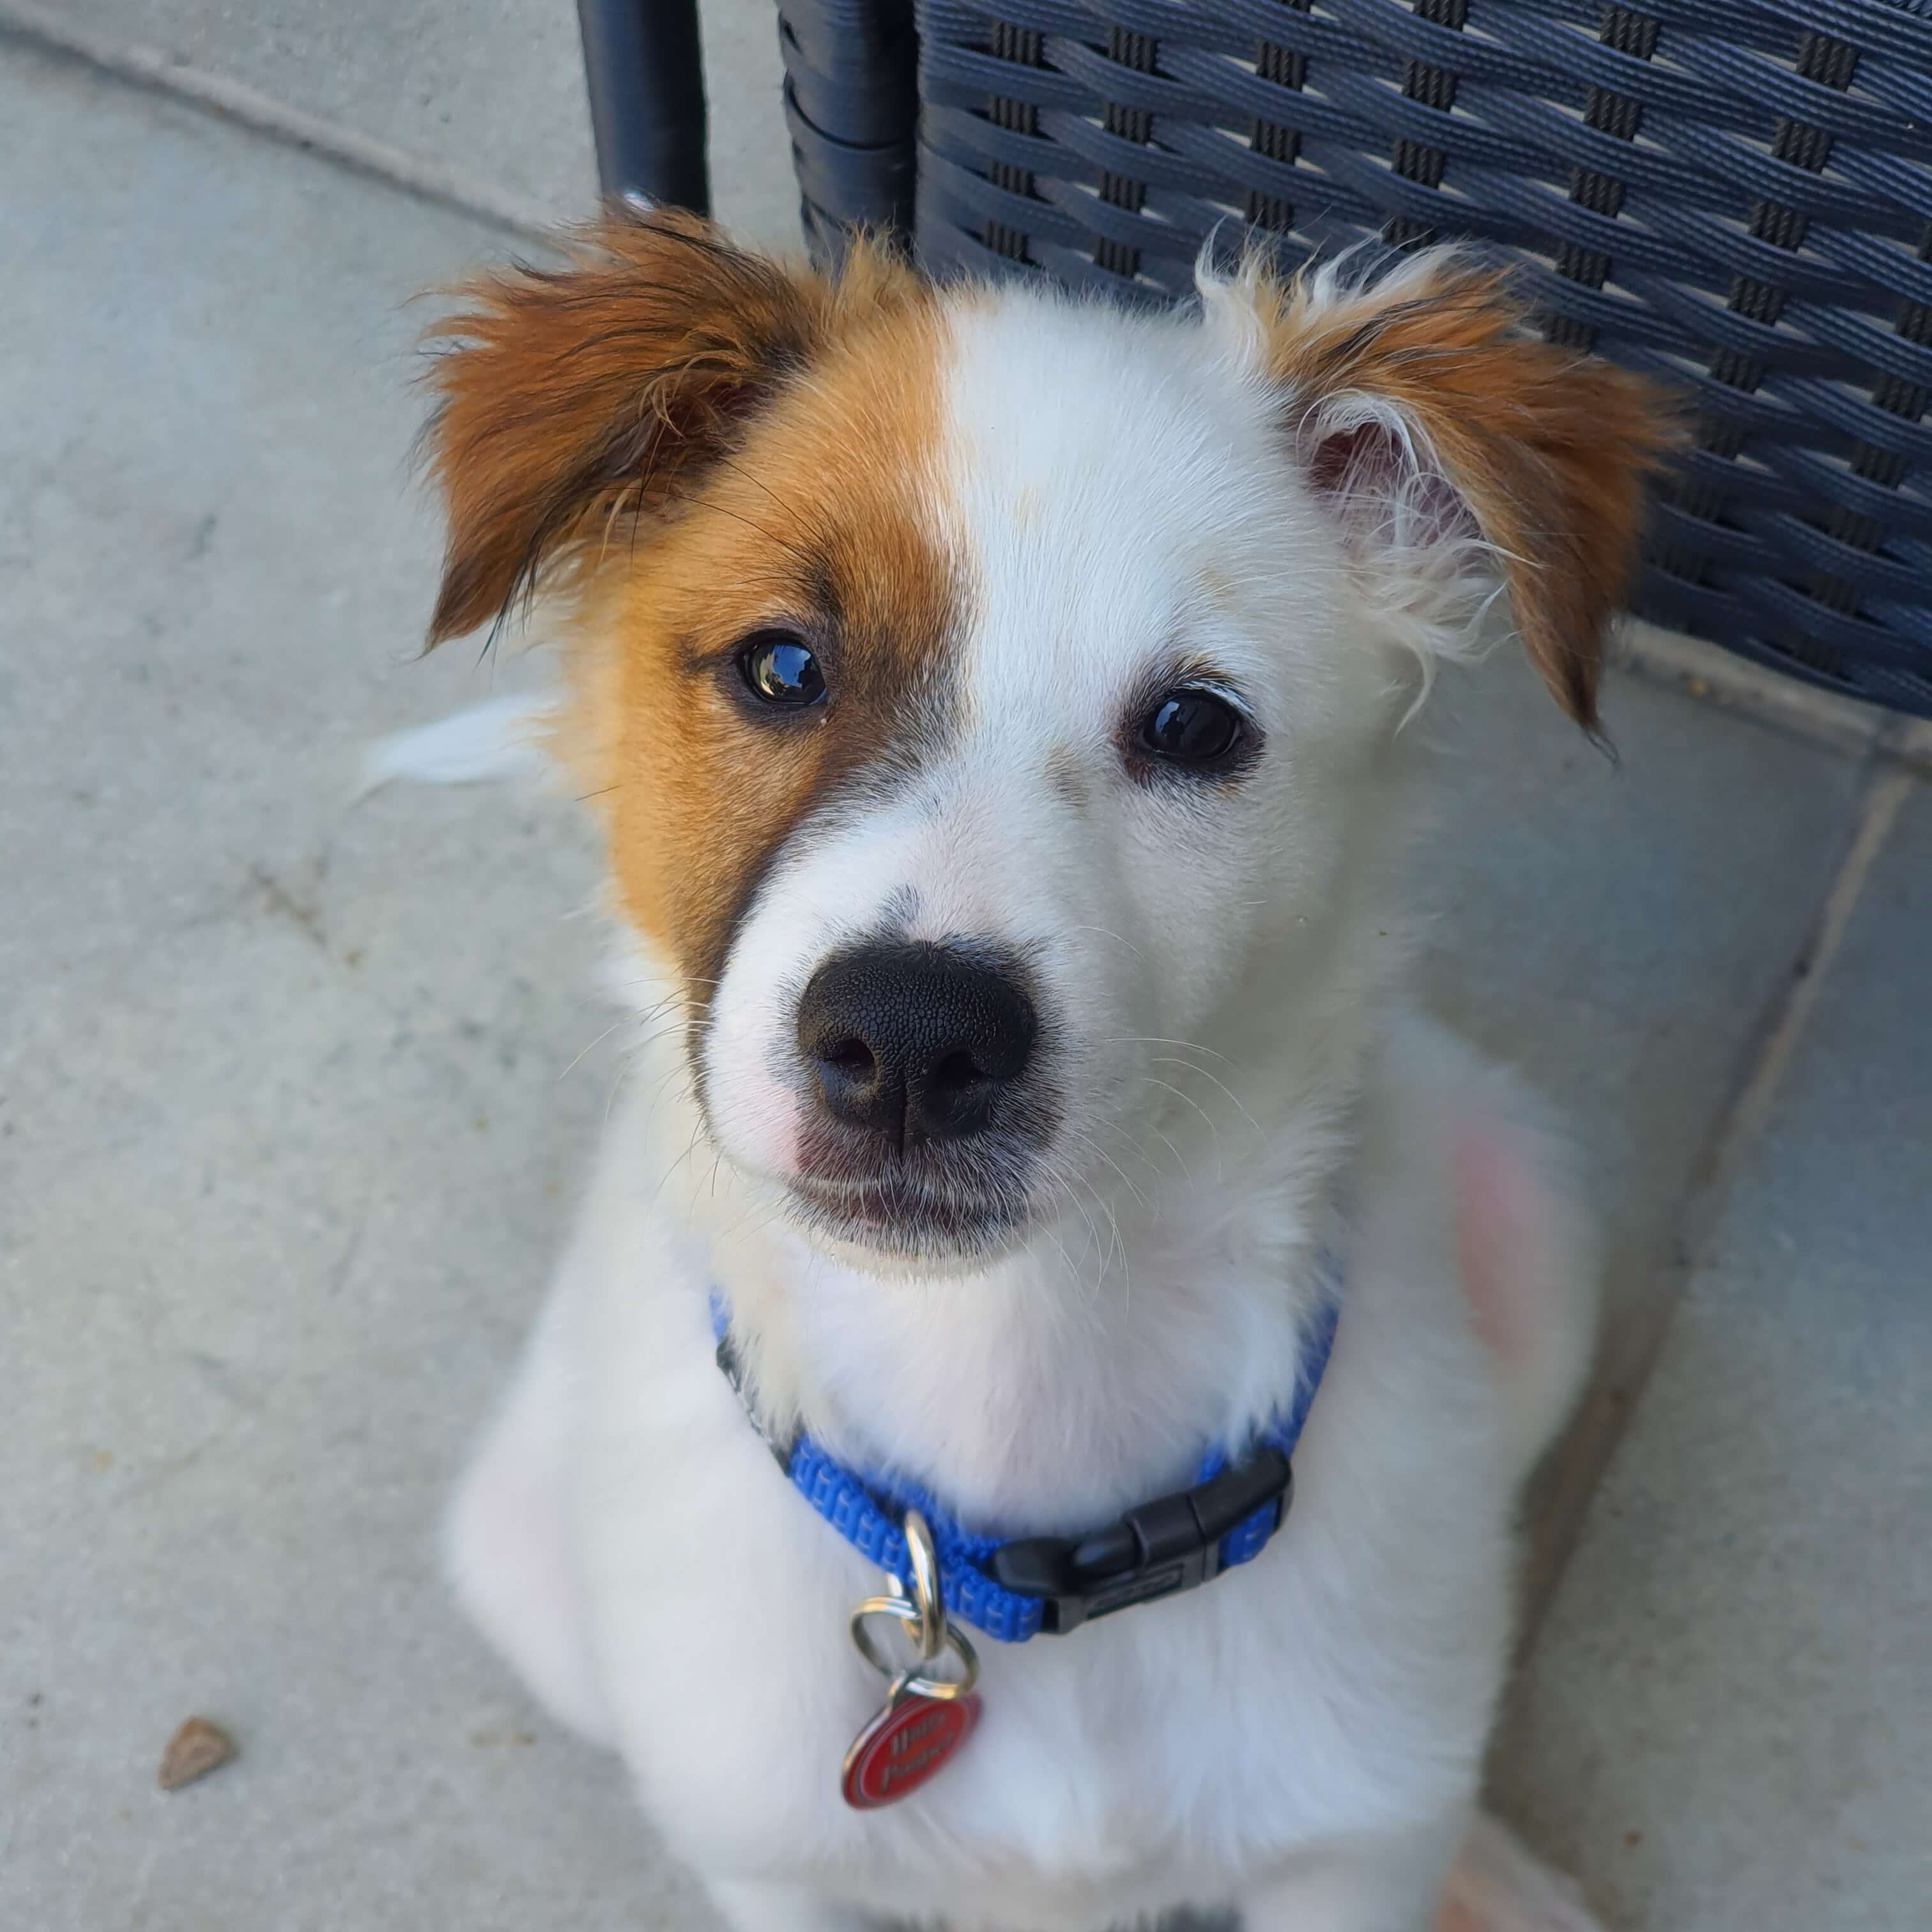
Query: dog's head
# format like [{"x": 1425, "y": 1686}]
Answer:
[{"x": 985, "y": 692}]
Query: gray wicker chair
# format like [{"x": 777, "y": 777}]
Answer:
[{"x": 1733, "y": 195}]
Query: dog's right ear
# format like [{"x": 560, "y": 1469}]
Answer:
[
  {"x": 569, "y": 398},
  {"x": 1456, "y": 450}
]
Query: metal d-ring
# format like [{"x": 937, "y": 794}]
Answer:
[
  {"x": 927, "y": 1595},
  {"x": 922, "y": 1611},
  {"x": 943, "y": 1689}
]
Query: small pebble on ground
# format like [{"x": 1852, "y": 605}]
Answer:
[{"x": 197, "y": 1748}]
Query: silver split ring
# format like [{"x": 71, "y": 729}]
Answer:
[{"x": 942, "y": 1689}]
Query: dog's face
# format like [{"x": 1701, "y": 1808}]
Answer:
[{"x": 983, "y": 691}]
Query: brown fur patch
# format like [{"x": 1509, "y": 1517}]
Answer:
[
  {"x": 567, "y": 399},
  {"x": 693, "y": 444},
  {"x": 1548, "y": 451},
  {"x": 828, "y": 521}
]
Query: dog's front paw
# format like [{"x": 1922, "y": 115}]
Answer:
[{"x": 1498, "y": 1886}]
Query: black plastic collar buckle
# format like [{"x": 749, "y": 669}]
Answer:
[{"x": 1172, "y": 1543}]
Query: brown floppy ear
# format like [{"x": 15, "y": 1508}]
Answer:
[
  {"x": 1424, "y": 410},
  {"x": 568, "y": 398}
]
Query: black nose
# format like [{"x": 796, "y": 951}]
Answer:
[{"x": 914, "y": 1041}]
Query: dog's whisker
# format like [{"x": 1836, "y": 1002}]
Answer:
[
  {"x": 671, "y": 1172},
  {"x": 1156, "y": 1039},
  {"x": 1100, "y": 1201},
  {"x": 613, "y": 1027},
  {"x": 1107, "y": 933},
  {"x": 1062, "y": 1179},
  {"x": 1138, "y": 1148},
  {"x": 617, "y": 1085},
  {"x": 1167, "y": 1086},
  {"x": 1168, "y": 1059},
  {"x": 1185, "y": 1172}
]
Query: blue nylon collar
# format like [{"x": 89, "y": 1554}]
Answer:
[{"x": 868, "y": 1511}]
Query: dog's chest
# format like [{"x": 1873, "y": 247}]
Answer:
[
  {"x": 1184, "y": 1745},
  {"x": 1210, "y": 1733}
]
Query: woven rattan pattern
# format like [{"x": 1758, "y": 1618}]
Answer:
[{"x": 1733, "y": 195}]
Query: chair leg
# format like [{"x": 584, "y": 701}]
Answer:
[{"x": 641, "y": 59}]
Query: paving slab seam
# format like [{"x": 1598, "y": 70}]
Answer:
[
  {"x": 135, "y": 64},
  {"x": 1607, "y": 1411}
]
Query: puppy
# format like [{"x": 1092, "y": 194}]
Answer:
[{"x": 992, "y": 702}]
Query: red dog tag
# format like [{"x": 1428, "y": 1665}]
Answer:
[{"x": 911, "y": 1740}]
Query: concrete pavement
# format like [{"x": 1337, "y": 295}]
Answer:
[{"x": 289, "y": 1122}]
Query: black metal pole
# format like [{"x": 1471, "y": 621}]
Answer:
[{"x": 641, "y": 59}]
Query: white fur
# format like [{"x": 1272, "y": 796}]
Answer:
[
  {"x": 1242, "y": 1080},
  {"x": 500, "y": 738}
]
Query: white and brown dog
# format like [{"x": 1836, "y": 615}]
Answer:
[{"x": 992, "y": 701}]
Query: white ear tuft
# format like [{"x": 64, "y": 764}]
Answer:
[
  {"x": 1378, "y": 472},
  {"x": 1428, "y": 575},
  {"x": 1459, "y": 452},
  {"x": 500, "y": 739}
]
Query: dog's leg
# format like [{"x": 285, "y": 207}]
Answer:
[
  {"x": 779, "y": 1908},
  {"x": 507, "y": 1541},
  {"x": 1526, "y": 1257},
  {"x": 1390, "y": 1882},
  {"x": 1396, "y": 1885},
  {"x": 1497, "y": 1886}
]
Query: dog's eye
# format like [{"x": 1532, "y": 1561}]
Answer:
[
  {"x": 777, "y": 667},
  {"x": 1192, "y": 728}
]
